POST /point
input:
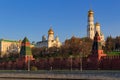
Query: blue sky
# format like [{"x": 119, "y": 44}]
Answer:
[{"x": 33, "y": 18}]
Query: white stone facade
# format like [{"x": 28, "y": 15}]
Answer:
[
  {"x": 9, "y": 46},
  {"x": 97, "y": 29},
  {"x": 92, "y": 28},
  {"x": 51, "y": 42}
]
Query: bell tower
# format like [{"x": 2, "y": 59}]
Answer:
[
  {"x": 90, "y": 26},
  {"x": 97, "y": 27}
]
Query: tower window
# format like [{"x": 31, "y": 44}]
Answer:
[{"x": 91, "y": 29}]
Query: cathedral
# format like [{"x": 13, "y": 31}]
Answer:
[
  {"x": 93, "y": 28},
  {"x": 51, "y": 42}
]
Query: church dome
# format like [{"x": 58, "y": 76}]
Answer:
[
  {"x": 43, "y": 38},
  {"x": 57, "y": 38},
  {"x": 90, "y": 11},
  {"x": 97, "y": 24},
  {"x": 50, "y": 31}
]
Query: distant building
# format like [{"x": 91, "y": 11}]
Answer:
[
  {"x": 93, "y": 28},
  {"x": 10, "y": 46},
  {"x": 51, "y": 42}
]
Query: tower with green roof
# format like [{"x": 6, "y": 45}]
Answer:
[{"x": 25, "y": 51}]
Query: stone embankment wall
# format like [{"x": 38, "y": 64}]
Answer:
[{"x": 102, "y": 75}]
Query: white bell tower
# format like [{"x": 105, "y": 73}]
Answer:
[
  {"x": 90, "y": 26},
  {"x": 97, "y": 28}
]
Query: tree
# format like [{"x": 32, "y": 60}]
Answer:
[
  {"x": 109, "y": 44},
  {"x": 117, "y": 43},
  {"x": 86, "y": 46},
  {"x": 13, "y": 56},
  {"x": 72, "y": 46},
  {"x": 75, "y": 46},
  {"x": 37, "y": 52}
]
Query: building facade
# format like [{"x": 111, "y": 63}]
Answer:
[
  {"x": 9, "y": 46},
  {"x": 92, "y": 28},
  {"x": 50, "y": 42}
]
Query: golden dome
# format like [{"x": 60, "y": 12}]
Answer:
[
  {"x": 97, "y": 24},
  {"x": 90, "y": 11},
  {"x": 50, "y": 31}
]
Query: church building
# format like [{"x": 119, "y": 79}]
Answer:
[{"x": 51, "y": 42}]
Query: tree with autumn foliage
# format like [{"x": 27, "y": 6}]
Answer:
[
  {"x": 71, "y": 46},
  {"x": 86, "y": 46},
  {"x": 109, "y": 44},
  {"x": 112, "y": 44},
  {"x": 75, "y": 46},
  {"x": 117, "y": 43}
]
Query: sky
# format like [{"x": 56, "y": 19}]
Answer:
[{"x": 33, "y": 18}]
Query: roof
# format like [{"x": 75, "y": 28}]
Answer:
[
  {"x": 6, "y": 40},
  {"x": 90, "y": 11},
  {"x": 97, "y": 24},
  {"x": 25, "y": 48},
  {"x": 50, "y": 31},
  {"x": 25, "y": 39},
  {"x": 96, "y": 34}
]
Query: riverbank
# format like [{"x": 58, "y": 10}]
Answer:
[{"x": 61, "y": 75}]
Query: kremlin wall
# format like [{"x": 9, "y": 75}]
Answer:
[{"x": 96, "y": 60}]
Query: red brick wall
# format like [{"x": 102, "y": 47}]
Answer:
[{"x": 106, "y": 63}]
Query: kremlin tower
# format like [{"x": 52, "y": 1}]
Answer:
[
  {"x": 96, "y": 54},
  {"x": 25, "y": 51},
  {"x": 97, "y": 51},
  {"x": 92, "y": 28}
]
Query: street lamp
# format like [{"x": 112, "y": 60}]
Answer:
[
  {"x": 28, "y": 63},
  {"x": 80, "y": 61},
  {"x": 71, "y": 62}
]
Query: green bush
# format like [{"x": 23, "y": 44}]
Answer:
[{"x": 34, "y": 68}]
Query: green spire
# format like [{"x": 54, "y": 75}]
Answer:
[
  {"x": 25, "y": 40},
  {"x": 25, "y": 47},
  {"x": 97, "y": 45}
]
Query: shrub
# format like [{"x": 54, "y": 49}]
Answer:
[{"x": 34, "y": 68}]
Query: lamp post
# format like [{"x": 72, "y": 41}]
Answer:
[
  {"x": 80, "y": 61},
  {"x": 71, "y": 62},
  {"x": 28, "y": 63}
]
